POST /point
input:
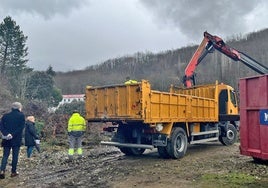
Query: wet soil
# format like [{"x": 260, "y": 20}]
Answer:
[{"x": 205, "y": 165}]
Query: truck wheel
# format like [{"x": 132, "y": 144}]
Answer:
[
  {"x": 162, "y": 151},
  {"x": 132, "y": 151},
  {"x": 136, "y": 151},
  {"x": 120, "y": 137},
  {"x": 260, "y": 161},
  {"x": 177, "y": 145},
  {"x": 126, "y": 151},
  {"x": 228, "y": 137}
]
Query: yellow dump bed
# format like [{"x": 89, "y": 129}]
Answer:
[{"x": 137, "y": 102}]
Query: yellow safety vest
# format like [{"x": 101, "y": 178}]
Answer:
[
  {"x": 76, "y": 123},
  {"x": 131, "y": 82}
]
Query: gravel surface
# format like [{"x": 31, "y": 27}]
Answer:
[{"x": 205, "y": 165}]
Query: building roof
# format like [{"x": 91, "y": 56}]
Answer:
[{"x": 73, "y": 96}]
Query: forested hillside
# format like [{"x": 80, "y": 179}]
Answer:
[{"x": 165, "y": 68}]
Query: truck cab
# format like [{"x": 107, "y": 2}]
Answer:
[{"x": 228, "y": 104}]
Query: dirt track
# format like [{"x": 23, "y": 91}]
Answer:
[{"x": 205, "y": 165}]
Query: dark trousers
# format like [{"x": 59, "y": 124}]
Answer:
[
  {"x": 15, "y": 158},
  {"x": 29, "y": 151}
]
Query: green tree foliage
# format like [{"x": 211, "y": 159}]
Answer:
[
  {"x": 13, "y": 50},
  {"x": 40, "y": 86},
  {"x": 13, "y": 53},
  {"x": 50, "y": 71},
  {"x": 70, "y": 107},
  {"x": 56, "y": 93},
  {"x": 39, "y": 127},
  {"x": 56, "y": 96}
]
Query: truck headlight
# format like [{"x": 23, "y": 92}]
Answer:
[{"x": 159, "y": 127}]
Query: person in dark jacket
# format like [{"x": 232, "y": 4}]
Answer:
[
  {"x": 12, "y": 128},
  {"x": 30, "y": 135}
]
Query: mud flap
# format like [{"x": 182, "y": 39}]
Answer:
[{"x": 159, "y": 140}]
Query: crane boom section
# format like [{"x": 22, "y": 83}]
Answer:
[{"x": 208, "y": 44}]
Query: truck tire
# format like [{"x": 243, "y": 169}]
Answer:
[
  {"x": 177, "y": 145},
  {"x": 260, "y": 161},
  {"x": 132, "y": 151},
  {"x": 120, "y": 137},
  {"x": 163, "y": 153},
  {"x": 126, "y": 151},
  {"x": 229, "y": 135},
  {"x": 136, "y": 151}
]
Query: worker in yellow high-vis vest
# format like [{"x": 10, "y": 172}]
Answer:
[
  {"x": 76, "y": 130},
  {"x": 129, "y": 81}
]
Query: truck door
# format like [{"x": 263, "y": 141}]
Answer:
[
  {"x": 223, "y": 100},
  {"x": 227, "y": 106}
]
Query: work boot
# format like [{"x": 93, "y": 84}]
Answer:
[
  {"x": 2, "y": 175},
  {"x": 70, "y": 158},
  {"x": 14, "y": 174}
]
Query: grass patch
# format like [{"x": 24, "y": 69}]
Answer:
[{"x": 234, "y": 180}]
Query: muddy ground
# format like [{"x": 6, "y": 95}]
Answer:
[{"x": 205, "y": 165}]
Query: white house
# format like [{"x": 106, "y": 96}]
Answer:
[
  {"x": 67, "y": 99},
  {"x": 71, "y": 98}
]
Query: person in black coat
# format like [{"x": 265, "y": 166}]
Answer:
[
  {"x": 30, "y": 135},
  {"x": 12, "y": 125}
]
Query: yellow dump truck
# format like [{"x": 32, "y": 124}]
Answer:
[{"x": 143, "y": 118}]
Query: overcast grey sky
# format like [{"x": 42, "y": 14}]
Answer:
[{"x": 74, "y": 34}]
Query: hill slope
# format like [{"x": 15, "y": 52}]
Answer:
[{"x": 165, "y": 68}]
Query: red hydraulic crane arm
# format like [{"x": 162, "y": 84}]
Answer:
[
  {"x": 207, "y": 45},
  {"x": 189, "y": 71},
  {"x": 234, "y": 54},
  {"x": 218, "y": 44}
]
